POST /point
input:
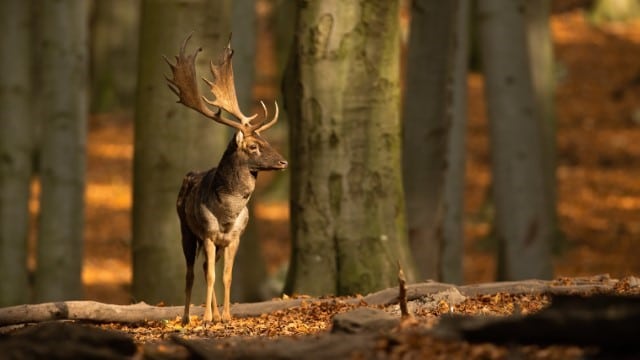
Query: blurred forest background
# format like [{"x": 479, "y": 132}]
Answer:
[{"x": 86, "y": 76}]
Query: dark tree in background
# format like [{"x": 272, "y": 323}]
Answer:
[
  {"x": 16, "y": 149},
  {"x": 43, "y": 101},
  {"x": 343, "y": 97},
  {"x": 523, "y": 224},
  {"x": 454, "y": 173},
  {"x": 433, "y": 140},
  {"x": 61, "y": 95},
  {"x": 249, "y": 262},
  {"x": 170, "y": 140},
  {"x": 114, "y": 54}
]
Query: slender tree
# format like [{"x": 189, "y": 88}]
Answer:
[
  {"x": 454, "y": 173},
  {"x": 523, "y": 222},
  {"x": 427, "y": 121},
  {"x": 113, "y": 53},
  {"x": 540, "y": 48},
  {"x": 62, "y": 98},
  {"x": 249, "y": 258},
  {"x": 343, "y": 96},
  {"x": 16, "y": 149},
  {"x": 170, "y": 140}
]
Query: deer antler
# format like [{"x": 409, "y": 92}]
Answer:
[
  {"x": 222, "y": 87},
  {"x": 265, "y": 125}
]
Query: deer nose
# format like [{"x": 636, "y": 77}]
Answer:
[{"x": 283, "y": 164}]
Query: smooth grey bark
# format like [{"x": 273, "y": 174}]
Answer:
[
  {"x": 249, "y": 260},
  {"x": 113, "y": 54},
  {"x": 170, "y": 140},
  {"x": 523, "y": 222},
  {"x": 343, "y": 98},
  {"x": 16, "y": 149},
  {"x": 540, "y": 45},
  {"x": 427, "y": 121},
  {"x": 454, "y": 173},
  {"x": 62, "y": 101}
]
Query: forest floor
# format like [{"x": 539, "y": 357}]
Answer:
[{"x": 598, "y": 172}]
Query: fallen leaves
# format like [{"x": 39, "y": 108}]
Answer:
[
  {"x": 311, "y": 317},
  {"x": 314, "y": 317}
]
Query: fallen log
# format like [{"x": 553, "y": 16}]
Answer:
[{"x": 85, "y": 310}]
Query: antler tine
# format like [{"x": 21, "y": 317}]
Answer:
[
  {"x": 184, "y": 85},
  {"x": 223, "y": 88},
  {"x": 264, "y": 107},
  {"x": 265, "y": 125},
  {"x": 183, "y": 47}
]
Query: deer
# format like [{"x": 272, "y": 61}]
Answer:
[{"x": 212, "y": 204}]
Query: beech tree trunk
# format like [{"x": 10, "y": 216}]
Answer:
[
  {"x": 249, "y": 262},
  {"x": 62, "y": 99},
  {"x": 16, "y": 149},
  {"x": 523, "y": 222},
  {"x": 114, "y": 50},
  {"x": 170, "y": 140},
  {"x": 427, "y": 125},
  {"x": 454, "y": 173},
  {"x": 343, "y": 98},
  {"x": 540, "y": 49}
]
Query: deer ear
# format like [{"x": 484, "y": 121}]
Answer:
[{"x": 239, "y": 138}]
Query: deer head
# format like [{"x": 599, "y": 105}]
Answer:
[{"x": 257, "y": 153}]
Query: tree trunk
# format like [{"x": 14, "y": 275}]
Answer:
[
  {"x": 249, "y": 260},
  {"x": 113, "y": 54},
  {"x": 16, "y": 150},
  {"x": 523, "y": 223},
  {"x": 343, "y": 97},
  {"x": 427, "y": 121},
  {"x": 170, "y": 140},
  {"x": 62, "y": 99},
  {"x": 454, "y": 173},
  {"x": 543, "y": 76}
]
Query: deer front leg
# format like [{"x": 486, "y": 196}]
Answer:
[
  {"x": 229, "y": 256},
  {"x": 233, "y": 237},
  {"x": 210, "y": 275}
]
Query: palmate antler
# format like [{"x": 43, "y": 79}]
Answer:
[{"x": 222, "y": 87}]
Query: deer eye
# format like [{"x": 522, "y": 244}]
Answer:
[{"x": 253, "y": 147}]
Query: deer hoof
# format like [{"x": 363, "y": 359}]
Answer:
[
  {"x": 185, "y": 320},
  {"x": 226, "y": 317},
  {"x": 216, "y": 318},
  {"x": 207, "y": 317}
]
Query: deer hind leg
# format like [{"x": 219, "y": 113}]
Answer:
[
  {"x": 189, "y": 248},
  {"x": 209, "y": 267}
]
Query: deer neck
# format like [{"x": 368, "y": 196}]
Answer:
[{"x": 233, "y": 176}]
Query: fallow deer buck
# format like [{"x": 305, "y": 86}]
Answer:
[{"x": 212, "y": 204}]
